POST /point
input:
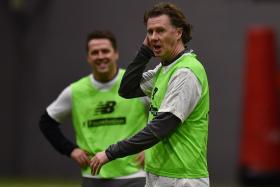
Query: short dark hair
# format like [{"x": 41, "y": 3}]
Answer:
[
  {"x": 177, "y": 18},
  {"x": 102, "y": 34}
]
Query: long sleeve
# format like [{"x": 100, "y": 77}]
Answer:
[
  {"x": 50, "y": 129},
  {"x": 56, "y": 113},
  {"x": 130, "y": 84},
  {"x": 159, "y": 128}
]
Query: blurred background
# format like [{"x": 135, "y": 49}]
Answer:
[{"x": 43, "y": 50}]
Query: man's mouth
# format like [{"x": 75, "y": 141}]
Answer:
[
  {"x": 156, "y": 48},
  {"x": 102, "y": 64}
]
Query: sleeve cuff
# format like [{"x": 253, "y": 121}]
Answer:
[{"x": 146, "y": 52}]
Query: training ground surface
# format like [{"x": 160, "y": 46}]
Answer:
[
  {"x": 38, "y": 183},
  {"x": 58, "y": 183}
]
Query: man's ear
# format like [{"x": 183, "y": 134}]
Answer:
[
  {"x": 179, "y": 33},
  {"x": 117, "y": 55},
  {"x": 88, "y": 59}
]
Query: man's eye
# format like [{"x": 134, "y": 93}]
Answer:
[
  {"x": 150, "y": 32},
  {"x": 94, "y": 53},
  {"x": 105, "y": 51}
]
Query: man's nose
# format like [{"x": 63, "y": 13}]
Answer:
[
  {"x": 154, "y": 36},
  {"x": 100, "y": 55}
]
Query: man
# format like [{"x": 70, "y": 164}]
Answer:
[
  {"x": 177, "y": 132},
  {"x": 100, "y": 117}
]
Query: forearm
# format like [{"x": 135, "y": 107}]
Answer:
[
  {"x": 51, "y": 131},
  {"x": 159, "y": 128},
  {"x": 130, "y": 84}
]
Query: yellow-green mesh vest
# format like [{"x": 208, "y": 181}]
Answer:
[
  {"x": 102, "y": 118},
  {"x": 184, "y": 153}
]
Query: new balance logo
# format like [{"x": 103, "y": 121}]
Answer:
[{"x": 105, "y": 108}]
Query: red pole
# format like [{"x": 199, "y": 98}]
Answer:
[{"x": 260, "y": 139}]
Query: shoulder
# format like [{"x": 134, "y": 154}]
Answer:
[
  {"x": 82, "y": 79},
  {"x": 151, "y": 73},
  {"x": 184, "y": 78},
  {"x": 183, "y": 74},
  {"x": 81, "y": 83}
]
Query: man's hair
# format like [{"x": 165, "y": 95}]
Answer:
[
  {"x": 102, "y": 34},
  {"x": 176, "y": 16}
]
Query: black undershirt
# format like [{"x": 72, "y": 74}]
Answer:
[
  {"x": 156, "y": 130},
  {"x": 50, "y": 129},
  {"x": 130, "y": 84}
]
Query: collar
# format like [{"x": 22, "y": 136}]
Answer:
[
  {"x": 104, "y": 86},
  {"x": 167, "y": 63}
]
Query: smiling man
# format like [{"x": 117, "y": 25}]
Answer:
[
  {"x": 177, "y": 132},
  {"x": 100, "y": 117}
]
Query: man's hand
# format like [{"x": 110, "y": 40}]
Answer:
[
  {"x": 147, "y": 42},
  {"x": 97, "y": 162},
  {"x": 80, "y": 156},
  {"x": 140, "y": 158}
]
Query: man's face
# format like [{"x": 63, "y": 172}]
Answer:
[
  {"x": 102, "y": 57},
  {"x": 162, "y": 36}
]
